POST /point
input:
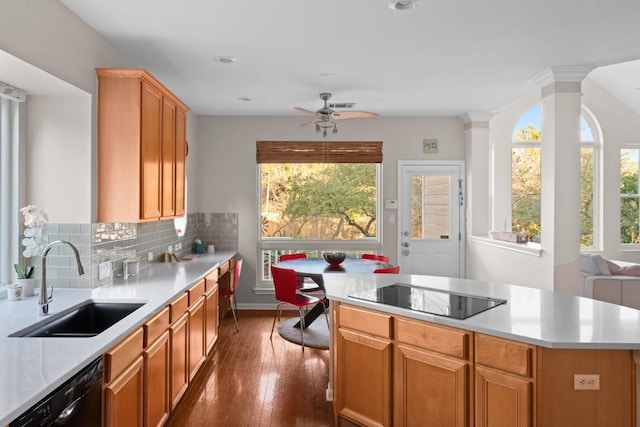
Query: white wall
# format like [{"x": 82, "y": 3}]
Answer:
[
  {"x": 59, "y": 156},
  {"x": 227, "y": 171},
  {"x": 45, "y": 34}
]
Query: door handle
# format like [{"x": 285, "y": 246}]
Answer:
[
  {"x": 406, "y": 252},
  {"x": 405, "y": 244},
  {"x": 405, "y": 234}
]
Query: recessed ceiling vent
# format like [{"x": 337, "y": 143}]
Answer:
[{"x": 343, "y": 105}]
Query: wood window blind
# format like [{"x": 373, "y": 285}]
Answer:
[{"x": 319, "y": 151}]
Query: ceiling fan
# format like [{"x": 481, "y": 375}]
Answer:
[{"x": 325, "y": 117}]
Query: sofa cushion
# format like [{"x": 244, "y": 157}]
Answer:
[
  {"x": 602, "y": 265},
  {"x": 588, "y": 265},
  {"x": 625, "y": 270}
]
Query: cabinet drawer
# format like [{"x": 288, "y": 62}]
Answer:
[
  {"x": 365, "y": 321},
  {"x": 232, "y": 263},
  {"x": 155, "y": 326},
  {"x": 196, "y": 292},
  {"x": 508, "y": 356},
  {"x": 211, "y": 280},
  {"x": 121, "y": 356},
  {"x": 223, "y": 268},
  {"x": 179, "y": 306},
  {"x": 448, "y": 341}
]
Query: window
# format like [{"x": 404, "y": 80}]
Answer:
[
  {"x": 589, "y": 155},
  {"x": 317, "y": 196},
  {"x": 526, "y": 173},
  {"x": 526, "y": 176},
  {"x": 10, "y": 97},
  {"x": 629, "y": 197}
]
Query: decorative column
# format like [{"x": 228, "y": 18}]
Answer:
[
  {"x": 478, "y": 172},
  {"x": 560, "y": 214}
]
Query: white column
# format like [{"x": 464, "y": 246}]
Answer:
[
  {"x": 560, "y": 213},
  {"x": 477, "y": 174}
]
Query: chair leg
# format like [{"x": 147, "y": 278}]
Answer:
[
  {"x": 302, "y": 326},
  {"x": 279, "y": 308},
  {"x": 233, "y": 311}
]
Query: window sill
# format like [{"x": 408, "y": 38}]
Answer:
[{"x": 529, "y": 248}]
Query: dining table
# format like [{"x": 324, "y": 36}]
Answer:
[{"x": 315, "y": 268}]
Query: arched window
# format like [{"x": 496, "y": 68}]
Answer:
[
  {"x": 589, "y": 161},
  {"x": 526, "y": 178}
]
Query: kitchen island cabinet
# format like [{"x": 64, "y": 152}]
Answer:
[
  {"x": 141, "y": 147},
  {"x": 511, "y": 365}
]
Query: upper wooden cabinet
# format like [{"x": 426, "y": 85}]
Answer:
[{"x": 141, "y": 147}]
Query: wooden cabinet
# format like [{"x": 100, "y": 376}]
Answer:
[
  {"x": 446, "y": 376},
  {"x": 141, "y": 148},
  {"x": 196, "y": 328},
  {"x": 124, "y": 383},
  {"x": 505, "y": 372},
  {"x": 432, "y": 375},
  {"x": 157, "y": 372},
  {"x": 363, "y": 367},
  {"x": 179, "y": 341},
  {"x": 211, "y": 310}
]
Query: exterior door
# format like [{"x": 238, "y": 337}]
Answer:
[{"x": 431, "y": 216}]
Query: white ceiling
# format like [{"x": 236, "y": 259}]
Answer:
[{"x": 445, "y": 57}]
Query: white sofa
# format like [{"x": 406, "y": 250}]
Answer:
[{"x": 600, "y": 284}]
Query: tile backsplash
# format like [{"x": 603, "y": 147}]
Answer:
[{"x": 114, "y": 242}]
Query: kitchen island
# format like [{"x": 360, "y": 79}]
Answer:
[
  {"x": 31, "y": 367},
  {"x": 541, "y": 359}
]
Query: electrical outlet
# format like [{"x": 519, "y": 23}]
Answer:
[
  {"x": 170, "y": 248},
  {"x": 178, "y": 246},
  {"x": 104, "y": 270},
  {"x": 586, "y": 382},
  {"x": 149, "y": 256}
]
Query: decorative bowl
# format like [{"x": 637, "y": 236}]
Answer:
[{"x": 334, "y": 258}]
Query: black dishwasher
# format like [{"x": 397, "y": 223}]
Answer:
[{"x": 75, "y": 403}]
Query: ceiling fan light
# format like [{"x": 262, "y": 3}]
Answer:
[
  {"x": 403, "y": 4},
  {"x": 335, "y": 129},
  {"x": 324, "y": 132}
]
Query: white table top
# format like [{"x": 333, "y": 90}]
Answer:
[
  {"x": 543, "y": 318},
  {"x": 30, "y": 368}
]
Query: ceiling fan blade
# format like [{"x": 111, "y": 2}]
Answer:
[
  {"x": 304, "y": 110},
  {"x": 310, "y": 122},
  {"x": 341, "y": 115}
]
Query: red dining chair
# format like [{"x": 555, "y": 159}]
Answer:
[
  {"x": 388, "y": 270},
  {"x": 381, "y": 258},
  {"x": 231, "y": 292},
  {"x": 286, "y": 257},
  {"x": 303, "y": 286},
  {"x": 285, "y": 284}
]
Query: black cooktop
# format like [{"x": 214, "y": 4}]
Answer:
[{"x": 429, "y": 300}]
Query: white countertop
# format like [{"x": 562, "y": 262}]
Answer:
[
  {"x": 30, "y": 368},
  {"x": 530, "y": 315}
]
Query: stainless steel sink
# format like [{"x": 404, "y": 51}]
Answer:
[{"x": 88, "y": 319}]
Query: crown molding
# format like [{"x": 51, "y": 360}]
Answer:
[
  {"x": 574, "y": 73},
  {"x": 12, "y": 92}
]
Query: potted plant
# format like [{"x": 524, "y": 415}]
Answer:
[{"x": 35, "y": 221}]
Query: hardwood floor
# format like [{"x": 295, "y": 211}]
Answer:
[{"x": 251, "y": 381}]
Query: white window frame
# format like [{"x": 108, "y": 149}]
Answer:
[{"x": 597, "y": 178}]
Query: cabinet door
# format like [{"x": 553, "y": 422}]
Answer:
[
  {"x": 180, "y": 161},
  {"x": 211, "y": 310},
  {"x": 156, "y": 382},
  {"x": 124, "y": 397},
  {"x": 196, "y": 337},
  {"x": 363, "y": 372},
  {"x": 179, "y": 335},
  {"x": 151, "y": 153},
  {"x": 168, "y": 157},
  {"x": 432, "y": 390},
  {"x": 502, "y": 400}
]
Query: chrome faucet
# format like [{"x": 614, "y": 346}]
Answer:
[{"x": 45, "y": 297}]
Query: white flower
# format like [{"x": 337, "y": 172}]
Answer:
[{"x": 34, "y": 222}]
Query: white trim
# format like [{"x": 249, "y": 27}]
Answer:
[
  {"x": 12, "y": 93},
  {"x": 525, "y": 248}
]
